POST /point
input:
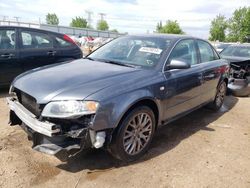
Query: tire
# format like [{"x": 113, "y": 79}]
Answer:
[
  {"x": 219, "y": 97},
  {"x": 134, "y": 134}
]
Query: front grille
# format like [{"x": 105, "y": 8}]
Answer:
[{"x": 29, "y": 102}]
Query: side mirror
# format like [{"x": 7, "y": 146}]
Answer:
[{"x": 177, "y": 64}]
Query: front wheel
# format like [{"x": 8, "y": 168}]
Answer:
[
  {"x": 134, "y": 135},
  {"x": 219, "y": 97}
]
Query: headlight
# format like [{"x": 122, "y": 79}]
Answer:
[{"x": 69, "y": 109}]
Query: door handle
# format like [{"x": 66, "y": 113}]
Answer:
[
  {"x": 52, "y": 53},
  {"x": 7, "y": 55}
]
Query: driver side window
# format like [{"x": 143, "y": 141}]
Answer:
[{"x": 184, "y": 51}]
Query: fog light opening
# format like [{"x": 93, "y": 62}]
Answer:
[{"x": 99, "y": 139}]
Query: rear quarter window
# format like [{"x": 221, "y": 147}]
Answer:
[{"x": 62, "y": 43}]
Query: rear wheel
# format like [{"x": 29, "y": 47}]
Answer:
[
  {"x": 219, "y": 97},
  {"x": 134, "y": 134}
]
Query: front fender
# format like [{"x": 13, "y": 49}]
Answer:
[{"x": 111, "y": 111}]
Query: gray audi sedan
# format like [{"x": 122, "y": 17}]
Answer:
[{"x": 117, "y": 96}]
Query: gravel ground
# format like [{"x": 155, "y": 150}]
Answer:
[{"x": 203, "y": 149}]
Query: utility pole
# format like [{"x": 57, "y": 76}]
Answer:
[
  {"x": 4, "y": 18},
  {"x": 17, "y": 18},
  {"x": 89, "y": 13},
  {"x": 102, "y": 15}
]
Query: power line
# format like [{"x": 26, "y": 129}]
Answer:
[{"x": 157, "y": 20}]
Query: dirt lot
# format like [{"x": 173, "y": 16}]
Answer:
[{"x": 203, "y": 149}]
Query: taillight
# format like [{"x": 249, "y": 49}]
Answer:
[{"x": 67, "y": 38}]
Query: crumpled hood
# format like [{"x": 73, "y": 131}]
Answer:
[
  {"x": 75, "y": 80},
  {"x": 233, "y": 59}
]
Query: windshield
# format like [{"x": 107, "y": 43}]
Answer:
[
  {"x": 222, "y": 46},
  {"x": 133, "y": 51},
  {"x": 240, "y": 51}
]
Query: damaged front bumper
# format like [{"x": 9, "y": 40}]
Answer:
[
  {"x": 45, "y": 128},
  {"x": 239, "y": 87},
  {"x": 53, "y": 138}
]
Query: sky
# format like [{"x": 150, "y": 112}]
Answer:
[{"x": 132, "y": 16}]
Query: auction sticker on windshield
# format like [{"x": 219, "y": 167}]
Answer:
[{"x": 150, "y": 50}]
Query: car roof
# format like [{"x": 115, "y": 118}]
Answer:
[
  {"x": 31, "y": 28},
  {"x": 165, "y": 36}
]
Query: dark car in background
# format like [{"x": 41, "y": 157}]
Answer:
[
  {"x": 221, "y": 46},
  {"x": 22, "y": 49},
  {"x": 117, "y": 96},
  {"x": 239, "y": 57}
]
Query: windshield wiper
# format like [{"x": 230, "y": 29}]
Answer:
[{"x": 118, "y": 63}]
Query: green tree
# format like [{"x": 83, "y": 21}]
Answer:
[
  {"x": 218, "y": 28},
  {"x": 114, "y": 30},
  {"x": 102, "y": 25},
  {"x": 52, "y": 19},
  {"x": 171, "y": 27},
  {"x": 79, "y": 22},
  {"x": 239, "y": 25},
  {"x": 159, "y": 27}
]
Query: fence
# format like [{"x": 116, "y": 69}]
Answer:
[{"x": 63, "y": 29}]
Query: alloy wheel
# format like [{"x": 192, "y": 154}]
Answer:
[{"x": 138, "y": 133}]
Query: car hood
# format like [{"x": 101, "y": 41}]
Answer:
[
  {"x": 233, "y": 59},
  {"x": 75, "y": 80}
]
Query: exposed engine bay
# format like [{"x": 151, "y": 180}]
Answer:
[
  {"x": 240, "y": 70},
  {"x": 239, "y": 80}
]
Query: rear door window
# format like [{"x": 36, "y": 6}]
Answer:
[
  {"x": 7, "y": 39},
  {"x": 207, "y": 53},
  {"x": 31, "y": 39}
]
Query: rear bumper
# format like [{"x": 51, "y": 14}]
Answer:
[{"x": 46, "y": 136}]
